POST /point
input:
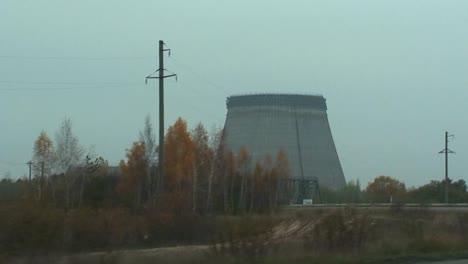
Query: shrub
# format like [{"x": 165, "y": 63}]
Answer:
[
  {"x": 341, "y": 230},
  {"x": 245, "y": 238}
]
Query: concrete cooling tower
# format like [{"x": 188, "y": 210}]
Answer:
[{"x": 298, "y": 124}]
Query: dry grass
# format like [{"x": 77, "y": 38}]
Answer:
[
  {"x": 348, "y": 236},
  {"x": 334, "y": 236}
]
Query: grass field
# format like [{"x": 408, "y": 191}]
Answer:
[{"x": 340, "y": 235}]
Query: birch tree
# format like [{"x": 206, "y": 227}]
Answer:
[
  {"x": 201, "y": 163},
  {"x": 230, "y": 169},
  {"x": 69, "y": 153},
  {"x": 243, "y": 160},
  {"x": 214, "y": 145},
  {"x": 148, "y": 138}
]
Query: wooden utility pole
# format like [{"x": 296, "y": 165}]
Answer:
[
  {"x": 41, "y": 184},
  {"x": 446, "y": 151},
  {"x": 161, "y": 78},
  {"x": 30, "y": 163}
]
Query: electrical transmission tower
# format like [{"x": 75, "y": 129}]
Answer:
[
  {"x": 161, "y": 78},
  {"x": 446, "y": 151}
]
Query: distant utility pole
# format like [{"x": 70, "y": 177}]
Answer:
[
  {"x": 446, "y": 151},
  {"x": 161, "y": 78},
  {"x": 41, "y": 185},
  {"x": 30, "y": 163}
]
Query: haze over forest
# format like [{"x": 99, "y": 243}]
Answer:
[{"x": 393, "y": 73}]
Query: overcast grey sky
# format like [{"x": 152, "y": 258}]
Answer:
[{"x": 394, "y": 73}]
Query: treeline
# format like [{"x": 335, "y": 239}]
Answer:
[
  {"x": 200, "y": 176},
  {"x": 385, "y": 189}
]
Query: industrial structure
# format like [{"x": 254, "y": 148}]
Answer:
[{"x": 296, "y": 124}]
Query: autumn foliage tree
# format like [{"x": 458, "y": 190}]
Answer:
[
  {"x": 43, "y": 159},
  {"x": 246, "y": 186},
  {"x": 284, "y": 172},
  {"x": 130, "y": 186},
  {"x": 200, "y": 176},
  {"x": 434, "y": 192},
  {"x": 43, "y": 152},
  {"x": 179, "y": 163},
  {"x": 266, "y": 182},
  {"x": 385, "y": 189},
  {"x": 202, "y": 168}
]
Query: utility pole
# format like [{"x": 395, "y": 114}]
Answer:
[
  {"x": 30, "y": 163},
  {"x": 41, "y": 184},
  {"x": 446, "y": 151},
  {"x": 161, "y": 78}
]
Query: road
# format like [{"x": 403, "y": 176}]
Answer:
[
  {"x": 386, "y": 206},
  {"x": 462, "y": 261}
]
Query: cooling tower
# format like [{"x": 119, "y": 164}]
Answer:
[{"x": 298, "y": 124}]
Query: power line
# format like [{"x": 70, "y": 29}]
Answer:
[
  {"x": 66, "y": 83},
  {"x": 178, "y": 62},
  {"x": 200, "y": 76},
  {"x": 64, "y": 88},
  {"x": 4, "y": 168},
  {"x": 191, "y": 93},
  {"x": 10, "y": 163},
  {"x": 74, "y": 58},
  {"x": 109, "y": 85},
  {"x": 77, "y": 85}
]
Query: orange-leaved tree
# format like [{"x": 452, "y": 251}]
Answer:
[
  {"x": 203, "y": 166},
  {"x": 284, "y": 173},
  {"x": 43, "y": 152},
  {"x": 282, "y": 164},
  {"x": 385, "y": 189},
  {"x": 179, "y": 163},
  {"x": 243, "y": 161},
  {"x": 43, "y": 158},
  {"x": 267, "y": 184},
  {"x": 133, "y": 174}
]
